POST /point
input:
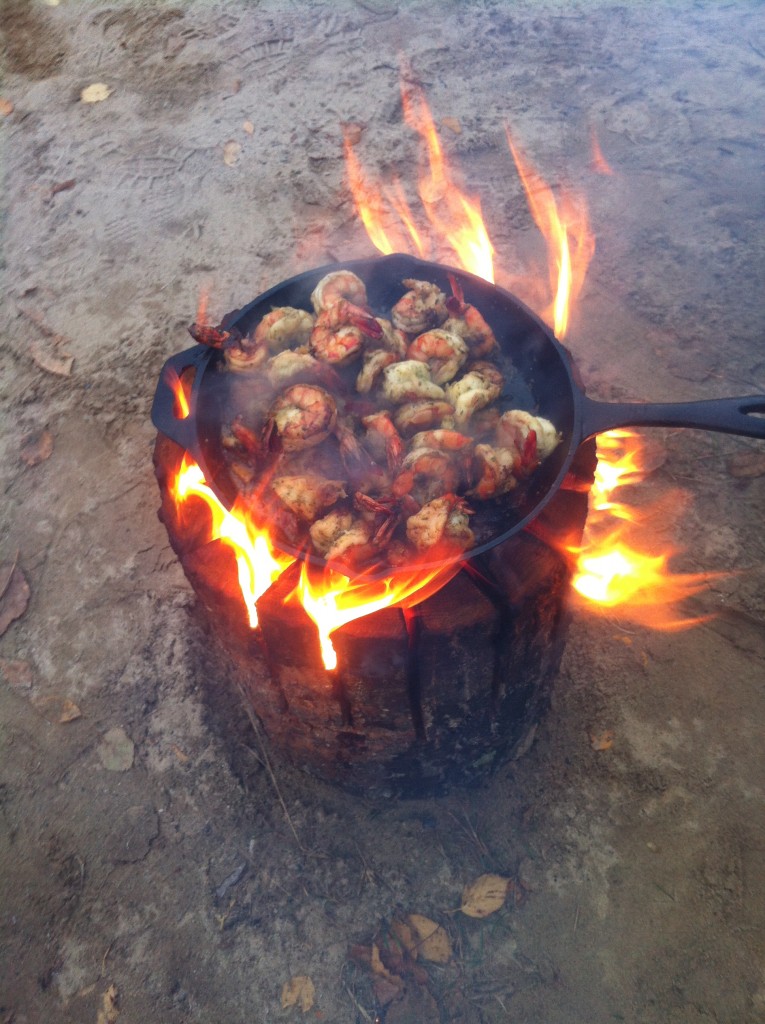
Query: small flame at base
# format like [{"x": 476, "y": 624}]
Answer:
[{"x": 332, "y": 600}]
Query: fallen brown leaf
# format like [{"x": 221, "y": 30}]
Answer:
[
  {"x": 404, "y": 934},
  {"x": 484, "y": 896},
  {"x": 60, "y": 365},
  {"x": 116, "y": 751},
  {"x": 231, "y": 153},
  {"x": 36, "y": 448},
  {"x": 452, "y": 124},
  {"x": 95, "y": 93},
  {"x": 432, "y": 941},
  {"x": 59, "y": 186},
  {"x": 54, "y": 708},
  {"x": 602, "y": 740},
  {"x": 248, "y": 127},
  {"x": 6, "y": 107},
  {"x": 14, "y": 595},
  {"x": 746, "y": 465},
  {"x": 298, "y": 991},
  {"x": 109, "y": 1011},
  {"x": 16, "y": 673}
]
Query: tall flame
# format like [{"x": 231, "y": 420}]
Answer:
[
  {"x": 259, "y": 564},
  {"x": 614, "y": 570},
  {"x": 570, "y": 242},
  {"x": 332, "y": 600}
]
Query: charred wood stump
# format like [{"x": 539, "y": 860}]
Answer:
[{"x": 423, "y": 700}]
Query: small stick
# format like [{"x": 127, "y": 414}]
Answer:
[{"x": 269, "y": 769}]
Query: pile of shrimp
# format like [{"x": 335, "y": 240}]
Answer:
[{"x": 370, "y": 439}]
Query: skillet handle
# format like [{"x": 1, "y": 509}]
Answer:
[
  {"x": 163, "y": 410},
  {"x": 726, "y": 415}
]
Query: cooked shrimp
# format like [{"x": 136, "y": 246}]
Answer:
[
  {"x": 337, "y": 286},
  {"x": 308, "y": 495},
  {"x": 495, "y": 470},
  {"x": 290, "y": 367},
  {"x": 426, "y": 474},
  {"x": 409, "y": 381},
  {"x": 342, "y": 536},
  {"x": 243, "y": 354},
  {"x": 392, "y": 338},
  {"x": 284, "y": 327},
  {"x": 482, "y": 385},
  {"x": 468, "y": 323},
  {"x": 373, "y": 365},
  {"x": 338, "y": 334},
  {"x": 515, "y": 425},
  {"x": 302, "y": 416},
  {"x": 382, "y": 440},
  {"x": 442, "y": 523},
  {"x": 444, "y": 353},
  {"x": 421, "y": 308},
  {"x": 443, "y": 440},
  {"x": 421, "y": 415}
]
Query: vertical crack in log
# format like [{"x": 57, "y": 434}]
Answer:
[
  {"x": 340, "y": 693},
  {"x": 412, "y": 620}
]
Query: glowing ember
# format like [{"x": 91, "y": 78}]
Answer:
[
  {"x": 612, "y": 572},
  {"x": 259, "y": 564},
  {"x": 331, "y": 599},
  {"x": 570, "y": 243}
]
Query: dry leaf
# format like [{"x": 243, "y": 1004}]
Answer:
[
  {"x": 248, "y": 127},
  {"x": 36, "y": 448},
  {"x": 14, "y": 595},
  {"x": 298, "y": 991},
  {"x": 61, "y": 365},
  {"x": 231, "y": 153},
  {"x": 452, "y": 124},
  {"x": 95, "y": 93},
  {"x": 116, "y": 751},
  {"x": 485, "y": 895},
  {"x": 56, "y": 709},
  {"x": 602, "y": 740},
  {"x": 405, "y": 936},
  {"x": 433, "y": 942},
  {"x": 6, "y": 107},
  {"x": 746, "y": 465},
  {"x": 109, "y": 1011},
  {"x": 17, "y": 674}
]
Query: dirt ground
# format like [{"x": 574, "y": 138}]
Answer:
[{"x": 151, "y": 869}]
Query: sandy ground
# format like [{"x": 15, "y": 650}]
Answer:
[{"x": 182, "y": 888}]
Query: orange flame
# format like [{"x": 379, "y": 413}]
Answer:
[
  {"x": 332, "y": 600},
  {"x": 455, "y": 218},
  {"x": 570, "y": 243},
  {"x": 259, "y": 564},
  {"x": 599, "y": 162},
  {"x": 181, "y": 407},
  {"x": 613, "y": 573}
]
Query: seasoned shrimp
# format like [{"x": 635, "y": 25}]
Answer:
[
  {"x": 346, "y": 537},
  {"x": 444, "y": 353},
  {"x": 477, "y": 389},
  {"x": 373, "y": 365},
  {"x": 443, "y": 440},
  {"x": 467, "y": 322},
  {"x": 284, "y": 327},
  {"x": 422, "y": 415},
  {"x": 308, "y": 495},
  {"x": 290, "y": 367},
  {"x": 426, "y": 474},
  {"x": 302, "y": 416},
  {"x": 421, "y": 308},
  {"x": 409, "y": 381},
  {"x": 443, "y": 524},
  {"x": 338, "y": 334},
  {"x": 338, "y": 286},
  {"x": 382, "y": 440},
  {"x": 515, "y": 425},
  {"x": 392, "y": 338},
  {"x": 494, "y": 470}
]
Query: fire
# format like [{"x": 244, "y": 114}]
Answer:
[
  {"x": 332, "y": 600},
  {"x": 612, "y": 571},
  {"x": 259, "y": 564},
  {"x": 455, "y": 218},
  {"x": 181, "y": 408},
  {"x": 570, "y": 243}
]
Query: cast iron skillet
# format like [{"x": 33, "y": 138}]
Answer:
[{"x": 544, "y": 384}]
